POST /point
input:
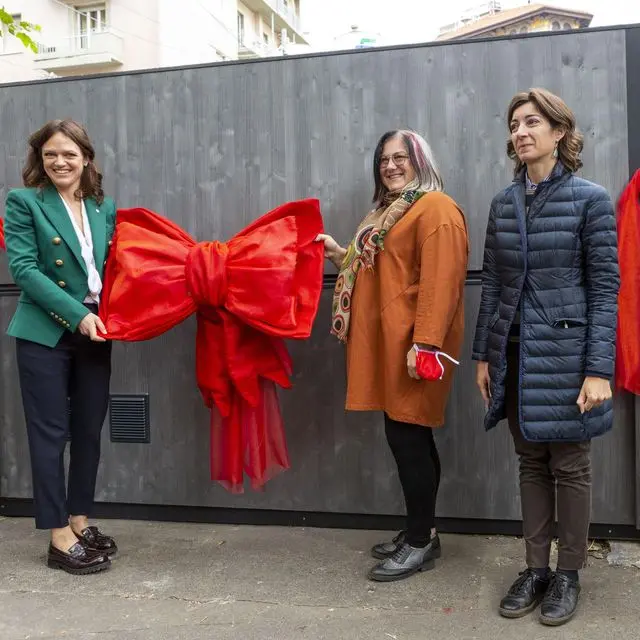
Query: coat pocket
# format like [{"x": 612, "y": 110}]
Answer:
[{"x": 568, "y": 323}]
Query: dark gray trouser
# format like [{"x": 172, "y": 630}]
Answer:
[{"x": 551, "y": 473}]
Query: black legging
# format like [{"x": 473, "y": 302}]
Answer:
[{"x": 416, "y": 455}]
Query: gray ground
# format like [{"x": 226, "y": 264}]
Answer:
[{"x": 189, "y": 581}]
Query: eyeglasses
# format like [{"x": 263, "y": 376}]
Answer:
[{"x": 399, "y": 159}]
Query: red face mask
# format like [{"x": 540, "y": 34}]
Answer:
[{"x": 429, "y": 365}]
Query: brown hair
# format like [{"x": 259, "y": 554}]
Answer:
[
  {"x": 34, "y": 175},
  {"x": 555, "y": 110}
]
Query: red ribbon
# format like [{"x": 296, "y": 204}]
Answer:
[
  {"x": 248, "y": 294},
  {"x": 627, "y": 350}
]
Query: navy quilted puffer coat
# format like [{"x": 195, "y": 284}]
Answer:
[{"x": 559, "y": 264}]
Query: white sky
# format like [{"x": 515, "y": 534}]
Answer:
[{"x": 404, "y": 21}]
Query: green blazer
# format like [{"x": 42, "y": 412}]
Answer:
[{"x": 45, "y": 260}]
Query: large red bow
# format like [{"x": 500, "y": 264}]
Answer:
[
  {"x": 627, "y": 350},
  {"x": 249, "y": 293}
]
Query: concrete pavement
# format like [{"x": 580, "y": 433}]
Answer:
[{"x": 175, "y": 581}]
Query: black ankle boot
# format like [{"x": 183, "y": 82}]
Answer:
[
  {"x": 524, "y": 594},
  {"x": 560, "y": 601}
]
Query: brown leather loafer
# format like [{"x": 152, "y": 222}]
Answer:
[
  {"x": 78, "y": 560},
  {"x": 93, "y": 540}
]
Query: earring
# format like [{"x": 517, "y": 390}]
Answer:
[{"x": 555, "y": 151}]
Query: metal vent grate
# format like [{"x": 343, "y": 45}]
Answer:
[{"x": 129, "y": 418}]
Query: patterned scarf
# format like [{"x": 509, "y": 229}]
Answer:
[{"x": 362, "y": 251}]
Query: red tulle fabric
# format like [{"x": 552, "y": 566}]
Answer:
[
  {"x": 628, "y": 341},
  {"x": 2, "y": 244},
  {"x": 248, "y": 294}
]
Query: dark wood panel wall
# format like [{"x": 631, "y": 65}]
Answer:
[{"x": 214, "y": 147}]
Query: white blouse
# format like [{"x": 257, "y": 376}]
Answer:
[{"x": 86, "y": 245}]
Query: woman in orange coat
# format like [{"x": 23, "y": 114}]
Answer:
[{"x": 399, "y": 314}]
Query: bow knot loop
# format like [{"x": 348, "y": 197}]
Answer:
[{"x": 206, "y": 274}]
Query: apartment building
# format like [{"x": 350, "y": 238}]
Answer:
[
  {"x": 81, "y": 37},
  {"x": 489, "y": 20}
]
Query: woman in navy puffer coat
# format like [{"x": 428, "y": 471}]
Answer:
[{"x": 545, "y": 340}]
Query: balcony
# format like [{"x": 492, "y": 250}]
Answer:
[
  {"x": 281, "y": 13},
  {"x": 101, "y": 49},
  {"x": 256, "y": 49}
]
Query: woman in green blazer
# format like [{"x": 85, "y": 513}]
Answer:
[{"x": 58, "y": 231}]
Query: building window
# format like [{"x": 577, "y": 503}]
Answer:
[
  {"x": 566, "y": 25},
  {"x": 265, "y": 38},
  {"x": 555, "y": 26},
  {"x": 240, "y": 28},
  {"x": 524, "y": 30},
  {"x": 89, "y": 20}
]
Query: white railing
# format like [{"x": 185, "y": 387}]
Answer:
[
  {"x": 103, "y": 41},
  {"x": 259, "y": 48},
  {"x": 287, "y": 10}
]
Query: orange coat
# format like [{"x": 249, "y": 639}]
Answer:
[{"x": 415, "y": 293}]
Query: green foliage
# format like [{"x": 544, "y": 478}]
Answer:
[{"x": 20, "y": 30}]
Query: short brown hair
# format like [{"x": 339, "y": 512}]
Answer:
[
  {"x": 555, "y": 110},
  {"x": 34, "y": 175}
]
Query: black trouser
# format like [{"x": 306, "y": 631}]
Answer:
[
  {"x": 65, "y": 389},
  {"x": 416, "y": 455}
]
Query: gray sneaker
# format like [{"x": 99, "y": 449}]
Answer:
[
  {"x": 406, "y": 561},
  {"x": 385, "y": 550}
]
